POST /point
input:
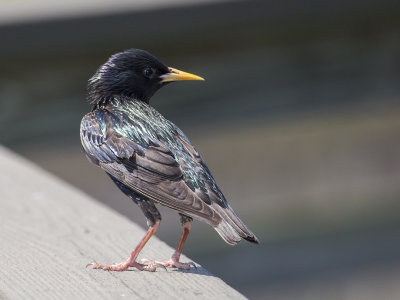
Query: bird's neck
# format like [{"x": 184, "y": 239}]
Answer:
[
  {"x": 122, "y": 103},
  {"x": 98, "y": 99}
]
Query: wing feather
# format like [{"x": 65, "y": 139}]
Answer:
[
  {"x": 146, "y": 165},
  {"x": 152, "y": 171}
]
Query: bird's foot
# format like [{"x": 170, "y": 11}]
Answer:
[
  {"x": 111, "y": 267},
  {"x": 172, "y": 263},
  {"x": 175, "y": 263},
  {"x": 150, "y": 267}
]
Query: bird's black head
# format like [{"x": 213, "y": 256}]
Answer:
[{"x": 134, "y": 74}]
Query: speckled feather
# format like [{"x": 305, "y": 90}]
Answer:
[
  {"x": 147, "y": 153},
  {"x": 151, "y": 127}
]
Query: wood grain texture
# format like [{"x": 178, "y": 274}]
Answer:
[{"x": 49, "y": 231}]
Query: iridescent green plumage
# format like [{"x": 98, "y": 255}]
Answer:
[
  {"x": 147, "y": 156},
  {"x": 145, "y": 126}
]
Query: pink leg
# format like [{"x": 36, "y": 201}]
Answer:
[
  {"x": 131, "y": 261},
  {"x": 174, "y": 262}
]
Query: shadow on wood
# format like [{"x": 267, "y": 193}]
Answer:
[{"x": 50, "y": 231}]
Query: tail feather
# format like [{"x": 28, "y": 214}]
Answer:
[
  {"x": 226, "y": 231},
  {"x": 232, "y": 229}
]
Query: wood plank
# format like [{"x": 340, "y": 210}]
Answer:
[{"x": 50, "y": 231}]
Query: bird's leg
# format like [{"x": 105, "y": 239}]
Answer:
[
  {"x": 153, "y": 217},
  {"x": 174, "y": 262},
  {"x": 131, "y": 261}
]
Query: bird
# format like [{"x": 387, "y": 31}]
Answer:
[{"x": 148, "y": 157}]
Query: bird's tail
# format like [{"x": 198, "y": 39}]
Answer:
[{"x": 232, "y": 229}]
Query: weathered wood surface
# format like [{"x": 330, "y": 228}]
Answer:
[{"x": 49, "y": 231}]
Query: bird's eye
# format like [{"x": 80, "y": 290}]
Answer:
[{"x": 148, "y": 72}]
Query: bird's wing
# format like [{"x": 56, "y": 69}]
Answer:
[
  {"x": 151, "y": 170},
  {"x": 206, "y": 182}
]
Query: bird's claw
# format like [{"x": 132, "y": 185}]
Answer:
[
  {"x": 152, "y": 263},
  {"x": 115, "y": 267},
  {"x": 147, "y": 266},
  {"x": 90, "y": 264},
  {"x": 180, "y": 265},
  {"x": 172, "y": 263},
  {"x": 192, "y": 264}
]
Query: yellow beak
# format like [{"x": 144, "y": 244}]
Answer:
[{"x": 176, "y": 75}]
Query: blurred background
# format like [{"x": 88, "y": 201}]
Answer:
[{"x": 299, "y": 120}]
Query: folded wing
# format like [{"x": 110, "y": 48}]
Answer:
[{"x": 153, "y": 171}]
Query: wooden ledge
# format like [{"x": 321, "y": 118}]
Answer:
[{"x": 50, "y": 231}]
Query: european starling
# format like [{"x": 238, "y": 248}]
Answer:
[{"x": 148, "y": 157}]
